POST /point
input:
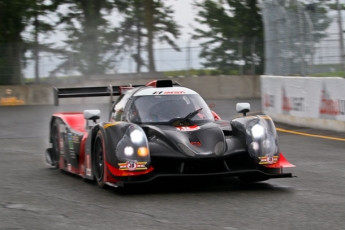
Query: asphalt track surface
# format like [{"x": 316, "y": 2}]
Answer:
[{"x": 34, "y": 196}]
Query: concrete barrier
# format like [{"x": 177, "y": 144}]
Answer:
[
  {"x": 26, "y": 95},
  {"x": 209, "y": 87},
  {"x": 313, "y": 102}
]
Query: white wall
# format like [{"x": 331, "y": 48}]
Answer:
[
  {"x": 209, "y": 87},
  {"x": 305, "y": 101}
]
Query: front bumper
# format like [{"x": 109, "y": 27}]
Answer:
[
  {"x": 240, "y": 165},
  {"x": 121, "y": 181}
]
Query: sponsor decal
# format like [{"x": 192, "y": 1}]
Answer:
[
  {"x": 110, "y": 124},
  {"x": 341, "y": 107},
  {"x": 268, "y": 160},
  {"x": 70, "y": 141},
  {"x": 75, "y": 139},
  {"x": 168, "y": 92},
  {"x": 10, "y": 98},
  {"x": 132, "y": 165},
  {"x": 330, "y": 108},
  {"x": 269, "y": 101},
  {"x": 292, "y": 103},
  {"x": 188, "y": 128},
  {"x": 71, "y": 145}
]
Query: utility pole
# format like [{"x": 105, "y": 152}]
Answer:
[{"x": 341, "y": 37}]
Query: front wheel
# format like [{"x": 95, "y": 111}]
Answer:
[{"x": 98, "y": 159}]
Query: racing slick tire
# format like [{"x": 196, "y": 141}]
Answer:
[
  {"x": 252, "y": 179},
  {"x": 55, "y": 145},
  {"x": 98, "y": 159}
]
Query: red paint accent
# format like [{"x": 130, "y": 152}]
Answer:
[
  {"x": 124, "y": 89},
  {"x": 188, "y": 128},
  {"x": 196, "y": 143},
  {"x": 152, "y": 83},
  {"x": 61, "y": 162},
  {"x": 329, "y": 106},
  {"x": 117, "y": 172},
  {"x": 82, "y": 164},
  {"x": 281, "y": 163},
  {"x": 216, "y": 117},
  {"x": 75, "y": 120},
  {"x": 73, "y": 170}
]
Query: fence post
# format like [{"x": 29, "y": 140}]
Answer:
[
  {"x": 301, "y": 38},
  {"x": 311, "y": 41},
  {"x": 287, "y": 41},
  {"x": 188, "y": 61},
  {"x": 341, "y": 31},
  {"x": 253, "y": 46},
  {"x": 240, "y": 55}
]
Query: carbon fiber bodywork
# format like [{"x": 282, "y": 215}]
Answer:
[{"x": 135, "y": 152}]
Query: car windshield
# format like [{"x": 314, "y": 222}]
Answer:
[{"x": 163, "y": 108}]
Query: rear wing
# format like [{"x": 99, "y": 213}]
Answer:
[
  {"x": 97, "y": 91},
  {"x": 103, "y": 91}
]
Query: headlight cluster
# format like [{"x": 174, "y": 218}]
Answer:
[
  {"x": 260, "y": 141},
  {"x": 133, "y": 146}
]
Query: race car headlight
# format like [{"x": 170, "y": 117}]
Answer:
[
  {"x": 260, "y": 140},
  {"x": 137, "y": 136},
  {"x": 129, "y": 151},
  {"x": 258, "y": 131},
  {"x": 133, "y": 146}
]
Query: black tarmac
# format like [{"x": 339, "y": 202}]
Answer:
[{"x": 35, "y": 196}]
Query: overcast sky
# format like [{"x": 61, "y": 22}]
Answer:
[{"x": 184, "y": 15}]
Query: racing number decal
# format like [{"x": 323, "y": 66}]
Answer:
[
  {"x": 133, "y": 165},
  {"x": 268, "y": 160}
]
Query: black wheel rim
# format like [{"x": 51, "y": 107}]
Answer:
[{"x": 99, "y": 161}]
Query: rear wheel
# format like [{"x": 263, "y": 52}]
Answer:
[
  {"x": 99, "y": 161},
  {"x": 56, "y": 145}
]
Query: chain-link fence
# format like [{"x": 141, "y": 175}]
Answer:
[
  {"x": 11, "y": 57},
  {"x": 301, "y": 38},
  {"x": 243, "y": 59},
  {"x": 18, "y": 63}
]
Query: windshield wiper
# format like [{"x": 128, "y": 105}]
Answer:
[{"x": 190, "y": 115}]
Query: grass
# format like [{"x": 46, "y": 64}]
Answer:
[
  {"x": 198, "y": 72},
  {"x": 192, "y": 72},
  {"x": 330, "y": 74}
]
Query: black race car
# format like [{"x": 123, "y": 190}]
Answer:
[{"x": 161, "y": 130}]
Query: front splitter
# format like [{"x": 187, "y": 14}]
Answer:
[{"x": 151, "y": 176}]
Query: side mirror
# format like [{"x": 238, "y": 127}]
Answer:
[
  {"x": 93, "y": 114},
  {"x": 243, "y": 108}
]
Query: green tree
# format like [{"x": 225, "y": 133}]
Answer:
[
  {"x": 132, "y": 30},
  {"x": 91, "y": 46},
  {"x": 42, "y": 25},
  {"x": 147, "y": 22},
  {"x": 14, "y": 18},
  {"x": 230, "y": 22}
]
